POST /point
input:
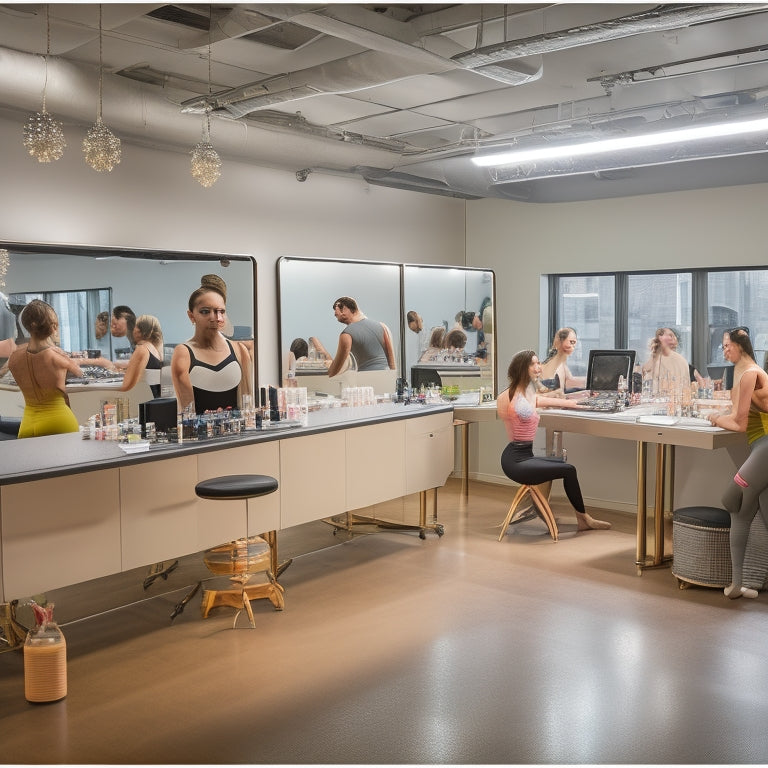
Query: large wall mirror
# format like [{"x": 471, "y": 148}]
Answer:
[
  {"x": 445, "y": 297},
  {"x": 454, "y": 305},
  {"x": 81, "y": 281},
  {"x": 308, "y": 289}
]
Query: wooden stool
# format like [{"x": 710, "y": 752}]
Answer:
[
  {"x": 243, "y": 558},
  {"x": 541, "y": 504}
]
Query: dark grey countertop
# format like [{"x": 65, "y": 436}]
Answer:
[{"x": 57, "y": 455}]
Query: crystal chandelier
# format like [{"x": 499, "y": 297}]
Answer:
[
  {"x": 4, "y": 262},
  {"x": 206, "y": 163},
  {"x": 100, "y": 146},
  {"x": 43, "y": 135}
]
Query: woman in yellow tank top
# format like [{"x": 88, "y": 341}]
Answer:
[{"x": 748, "y": 492}]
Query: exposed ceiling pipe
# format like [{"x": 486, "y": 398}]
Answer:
[
  {"x": 139, "y": 113},
  {"x": 395, "y": 53},
  {"x": 662, "y": 18}
]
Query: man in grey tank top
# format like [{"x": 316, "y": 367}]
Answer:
[{"x": 368, "y": 340}]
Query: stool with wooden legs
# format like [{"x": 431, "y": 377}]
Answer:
[
  {"x": 241, "y": 559},
  {"x": 541, "y": 504}
]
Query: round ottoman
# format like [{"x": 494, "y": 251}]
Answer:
[{"x": 701, "y": 550}]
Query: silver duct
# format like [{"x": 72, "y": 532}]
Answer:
[{"x": 658, "y": 20}]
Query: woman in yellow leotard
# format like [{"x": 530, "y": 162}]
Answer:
[{"x": 40, "y": 370}]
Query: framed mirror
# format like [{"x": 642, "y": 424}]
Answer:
[
  {"x": 81, "y": 281},
  {"x": 454, "y": 344},
  {"x": 307, "y": 290}
]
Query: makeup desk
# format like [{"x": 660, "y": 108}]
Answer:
[
  {"x": 644, "y": 430},
  {"x": 72, "y": 510}
]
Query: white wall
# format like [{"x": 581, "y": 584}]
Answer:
[
  {"x": 705, "y": 228},
  {"x": 151, "y": 201}
]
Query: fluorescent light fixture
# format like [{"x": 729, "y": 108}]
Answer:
[{"x": 517, "y": 156}]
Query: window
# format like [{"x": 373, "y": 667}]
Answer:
[
  {"x": 76, "y": 311},
  {"x": 624, "y": 309},
  {"x": 585, "y": 303}
]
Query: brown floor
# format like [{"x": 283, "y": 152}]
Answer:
[{"x": 393, "y": 649}]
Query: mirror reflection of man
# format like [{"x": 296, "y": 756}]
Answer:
[
  {"x": 368, "y": 340},
  {"x": 416, "y": 324},
  {"x": 121, "y": 325}
]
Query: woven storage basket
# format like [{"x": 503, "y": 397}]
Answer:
[{"x": 700, "y": 541}]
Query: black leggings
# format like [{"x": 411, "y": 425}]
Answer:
[{"x": 519, "y": 464}]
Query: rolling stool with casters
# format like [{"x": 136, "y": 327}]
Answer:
[
  {"x": 541, "y": 505},
  {"x": 240, "y": 559}
]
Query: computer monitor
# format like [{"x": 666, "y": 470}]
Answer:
[
  {"x": 606, "y": 365},
  {"x": 425, "y": 376}
]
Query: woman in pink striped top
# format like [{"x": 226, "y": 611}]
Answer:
[{"x": 517, "y": 406}]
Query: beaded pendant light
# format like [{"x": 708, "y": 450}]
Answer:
[
  {"x": 206, "y": 163},
  {"x": 43, "y": 135},
  {"x": 101, "y": 147}
]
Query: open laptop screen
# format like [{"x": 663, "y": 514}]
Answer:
[{"x": 606, "y": 365}]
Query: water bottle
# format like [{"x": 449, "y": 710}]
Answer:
[{"x": 45, "y": 659}]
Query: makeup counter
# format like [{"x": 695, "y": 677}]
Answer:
[{"x": 148, "y": 511}]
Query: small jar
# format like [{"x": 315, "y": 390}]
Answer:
[{"x": 45, "y": 659}]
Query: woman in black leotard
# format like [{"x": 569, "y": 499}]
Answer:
[
  {"x": 147, "y": 357},
  {"x": 210, "y": 371}
]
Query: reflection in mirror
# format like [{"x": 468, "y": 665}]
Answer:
[
  {"x": 82, "y": 281},
  {"x": 310, "y": 331},
  {"x": 83, "y": 317},
  {"x": 449, "y": 338}
]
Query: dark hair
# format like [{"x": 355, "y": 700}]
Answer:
[
  {"x": 300, "y": 348},
  {"x": 346, "y": 301},
  {"x": 411, "y": 316},
  {"x": 466, "y": 320},
  {"x": 122, "y": 310},
  {"x": 39, "y": 318},
  {"x": 208, "y": 284},
  {"x": 517, "y": 373},
  {"x": 103, "y": 317},
  {"x": 740, "y": 338},
  {"x": 456, "y": 339}
]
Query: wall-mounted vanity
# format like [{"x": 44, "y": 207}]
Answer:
[{"x": 307, "y": 289}]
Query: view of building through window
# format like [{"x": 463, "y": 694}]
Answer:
[{"x": 590, "y": 304}]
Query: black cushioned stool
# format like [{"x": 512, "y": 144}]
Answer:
[
  {"x": 701, "y": 548},
  {"x": 243, "y": 558}
]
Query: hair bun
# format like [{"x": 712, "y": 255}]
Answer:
[{"x": 215, "y": 283}]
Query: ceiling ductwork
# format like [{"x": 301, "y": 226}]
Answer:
[{"x": 405, "y": 95}]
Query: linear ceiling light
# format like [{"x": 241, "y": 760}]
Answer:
[{"x": 683, "y": 135}]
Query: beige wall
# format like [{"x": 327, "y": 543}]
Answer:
[
  {"x": 150, "y": 200},
  {"x": 705, "y": 228}
]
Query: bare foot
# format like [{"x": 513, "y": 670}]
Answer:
[
  {"x": 734, "y": 593},
  {"x": 588, "y": 523}
]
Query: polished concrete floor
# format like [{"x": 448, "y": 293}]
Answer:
[{"x": 393, "y": 649}]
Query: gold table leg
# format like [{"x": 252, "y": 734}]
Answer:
[
  {"x": 663, "y": 502},
  {"x": 464, "y": 455}
]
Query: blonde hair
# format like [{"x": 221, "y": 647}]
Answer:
[{"x": 149, "y": 329}]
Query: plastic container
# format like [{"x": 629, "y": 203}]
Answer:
[{"x": 45, "y": 659}]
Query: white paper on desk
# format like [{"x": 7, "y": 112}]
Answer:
[{"x": 658, "y": 421}]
